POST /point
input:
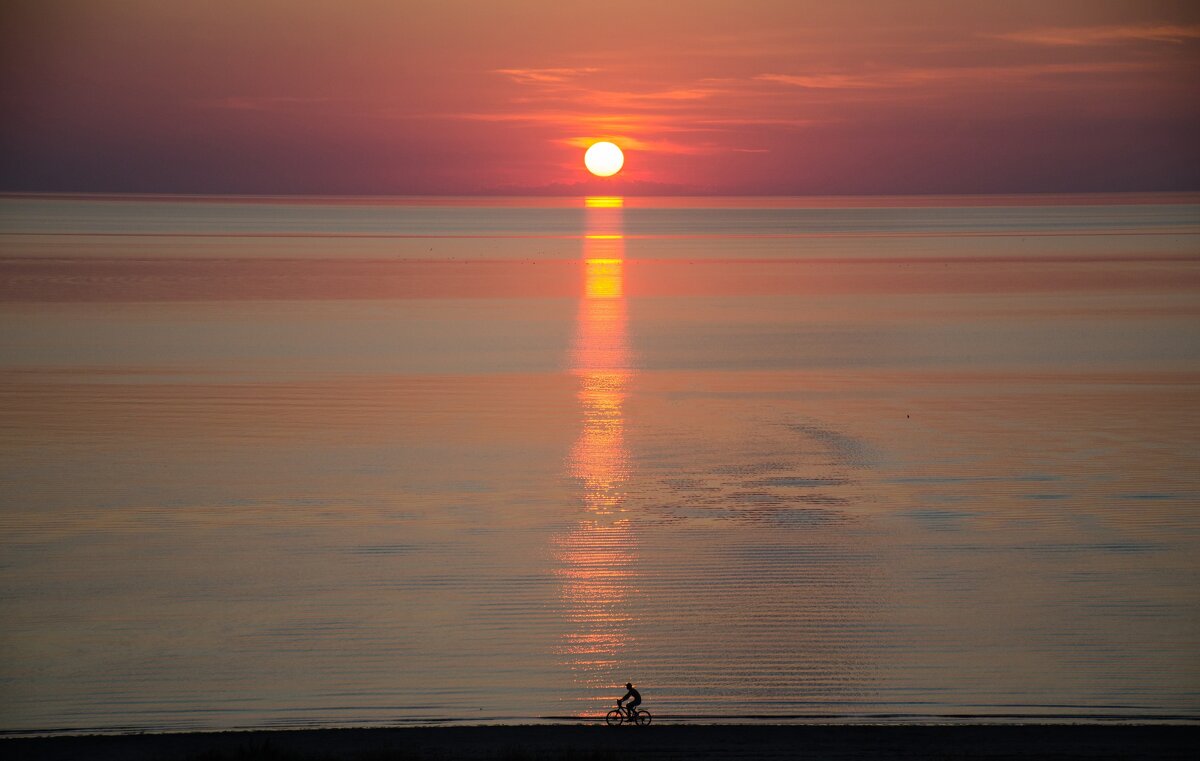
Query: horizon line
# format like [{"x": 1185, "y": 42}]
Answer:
[{"x": 1094, "y": 197}]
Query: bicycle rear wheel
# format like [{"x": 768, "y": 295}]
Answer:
[
  {"x": 643, "y": 718},
  {"x": 614, "y": 718}
]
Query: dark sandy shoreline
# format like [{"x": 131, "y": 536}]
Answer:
[{"x": 596, "y": 743}]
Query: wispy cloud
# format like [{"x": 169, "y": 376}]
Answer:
[
  {"x": 1104, "y": 35},
  {"x": 916, "y": 77},
  {"x": 702, "y": 109},
  {"x": 765, "y": 121},
  {"x": 657, "y": 145},
  {"x": 597, "y": 125},
  {"x": 644, "y": 115},
  {"x": 546, "y": 76},
  {"x": 822, "y": 81},
  {"x": 656, "y": 96}
]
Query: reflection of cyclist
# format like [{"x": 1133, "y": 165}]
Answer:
[{"x": 634, "y": 698}]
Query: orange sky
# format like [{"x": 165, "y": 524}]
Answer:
[{"x": 452, "y": 97}]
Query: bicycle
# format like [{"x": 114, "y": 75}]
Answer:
[{"x": 618, "y": 716}]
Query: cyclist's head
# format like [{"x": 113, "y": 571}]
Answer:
[{"x": 629, "y": 685}]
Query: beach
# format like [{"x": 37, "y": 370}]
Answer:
[{"x": 595, "y": 743}]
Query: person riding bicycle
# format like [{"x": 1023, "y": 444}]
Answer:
[{"x": 634, "y": 698}]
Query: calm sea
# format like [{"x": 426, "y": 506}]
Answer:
[{"x": 270, "y": 462}]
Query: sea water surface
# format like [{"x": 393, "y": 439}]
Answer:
[{"x": 278, "y": 461}]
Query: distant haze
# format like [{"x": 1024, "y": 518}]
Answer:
[{"x": 454, "y": 97}]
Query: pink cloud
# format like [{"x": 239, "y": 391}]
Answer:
[{"x": 545, "y": 76}]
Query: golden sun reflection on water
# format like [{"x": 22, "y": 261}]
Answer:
[
  {"x": 598, "y": 556},
  {"x": 603, "y": 202}
]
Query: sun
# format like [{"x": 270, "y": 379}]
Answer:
[{"x": 604, "y": 159}]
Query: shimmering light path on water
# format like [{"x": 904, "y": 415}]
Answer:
[{"x": 311, "y": 462}]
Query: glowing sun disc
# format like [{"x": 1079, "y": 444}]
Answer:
[{"x": 603, "y": 159}]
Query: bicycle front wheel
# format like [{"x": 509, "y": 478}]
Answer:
[
  {"x": 643, "y": 718},
  {"x": 614, "y": 718}
]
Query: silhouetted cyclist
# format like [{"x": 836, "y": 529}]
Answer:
[{"x": 634, "y": 698}]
